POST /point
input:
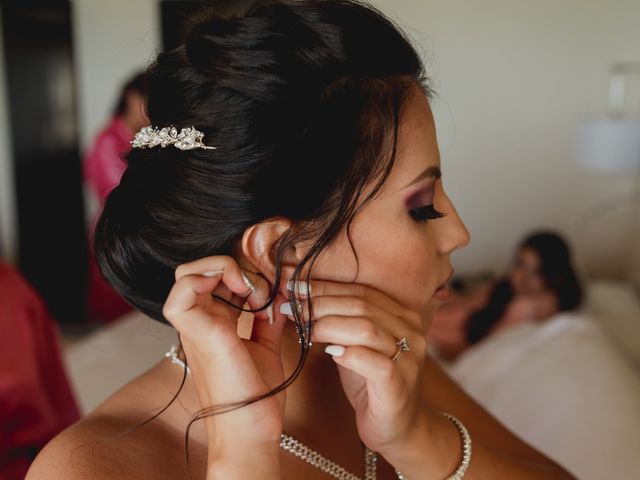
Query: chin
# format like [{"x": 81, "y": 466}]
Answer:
[{"x": 427, "y": 314}]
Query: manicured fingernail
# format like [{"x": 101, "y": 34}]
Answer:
[
  {"x": 212, "y": 273},
  {"x": 300, "y": 286},
  {"x": 334, "y": 350},
  {"x": 270, "y": 313},
  {"x": 285, "y": 309},
  {"x": 248, "y": 283}
]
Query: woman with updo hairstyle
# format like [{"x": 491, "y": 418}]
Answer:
[{"x": 302, "y": 184}]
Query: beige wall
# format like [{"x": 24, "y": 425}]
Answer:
[
  {"x": 112, "y": 40},
  {"x": 514, "y": 77}
]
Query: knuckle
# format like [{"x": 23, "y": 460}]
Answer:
[
  {"x": 370, "y": 333},
  {"x": 169, "y": 312},
  {"x": 178, "y": 271},
  {"x": 360, "y": 306}
]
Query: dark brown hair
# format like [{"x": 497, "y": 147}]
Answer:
[{"x": 302, "y": 100}]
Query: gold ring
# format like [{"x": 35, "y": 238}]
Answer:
[{"x": 403, "y": 346}]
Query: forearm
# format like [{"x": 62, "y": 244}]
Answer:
[{"x": 435, "y": 453}]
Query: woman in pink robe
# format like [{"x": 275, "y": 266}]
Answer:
[{"x": 104, "y": 164}]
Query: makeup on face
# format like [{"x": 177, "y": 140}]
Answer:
[{"x": 419, "y": 202}]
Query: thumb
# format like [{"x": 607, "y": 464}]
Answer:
[{"x": 268, "y": 323}]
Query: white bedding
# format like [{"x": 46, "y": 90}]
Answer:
[
  {"x": 565, "y": 388},
  {"x": 107, "y": 359}
]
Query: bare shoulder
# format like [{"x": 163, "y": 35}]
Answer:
[
  {"x": 108, "y": 443},
  {"x": 79, "y": 452}
]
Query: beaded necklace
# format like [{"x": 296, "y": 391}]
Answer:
[{"x": 297, "y": 448}]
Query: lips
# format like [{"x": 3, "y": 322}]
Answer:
[
  {"x": 443, "y": 292},
  {"x": 446, "y": 280}
]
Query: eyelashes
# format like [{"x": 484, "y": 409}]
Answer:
[{"x": 426, "y": 212}]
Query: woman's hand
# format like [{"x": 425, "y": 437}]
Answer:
[
  {"x": 225, "y": 367},
  {"x": 363, "y": 326}
]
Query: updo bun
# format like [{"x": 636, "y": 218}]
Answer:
[{"x": 301, "y": 99}]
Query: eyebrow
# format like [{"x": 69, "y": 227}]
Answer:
[{"x": 429, "y": 172}]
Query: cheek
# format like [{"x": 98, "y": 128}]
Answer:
[
  {"x": 336, "y": 262},
  {"x": 400, "y": 262},
  {"x": 398, "y": 259}
]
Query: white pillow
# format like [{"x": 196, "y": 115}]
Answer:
[
  {"x": 104, "y": 361},
  {"x": 616, "y": 306},
  {"x": 564, "y": 388}
]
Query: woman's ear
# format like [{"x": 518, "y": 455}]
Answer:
[{"x": 258, "y": 247}]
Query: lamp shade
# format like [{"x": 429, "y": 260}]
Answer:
[{"x": 609, "y": 145}]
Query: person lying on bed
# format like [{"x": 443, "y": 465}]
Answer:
[{"x": 541, "y": 282}]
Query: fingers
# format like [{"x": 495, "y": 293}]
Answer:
[
  {"x": 235, "y": 281},
  {"x": 270, "y": 334},
  {"x": 233, "y": 284},
  {"x": 223, "y": 265},
  {"x": 369, "y": 295},
  {"x": 259, "y": 295},
  {"x": 193, "y": 317},
  {"x": 374, "y": 325},
  {"x": 196, "y": 281},
  {"x": 345, "y": 322},
  {"x": 348, "y": 331},
  {"x": 357, "y": 300},
  {"x": 385, "y": 384}
]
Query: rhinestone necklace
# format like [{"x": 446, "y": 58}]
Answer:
[
  {"x": 297, "y": 448},
  {"x": 312, "y": 457}
]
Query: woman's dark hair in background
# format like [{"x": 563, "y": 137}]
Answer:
[
  {"x": 302, "y": 101},
  {"x": 557, "y": 273},
  {"x": 137, "y": 83}
]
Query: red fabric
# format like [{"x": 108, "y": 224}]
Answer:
[
  {"x": 103, "y": 168},
  {"x": 36, "y": 400}
]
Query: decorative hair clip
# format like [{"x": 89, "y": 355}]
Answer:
[{"x": 188, "y": 138}]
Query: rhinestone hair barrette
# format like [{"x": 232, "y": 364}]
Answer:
[{"x": 187, "y": 139}]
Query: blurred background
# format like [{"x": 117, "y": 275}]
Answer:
[
  {"x": 537, "y": 111},
  {"x": 514, "y": 80}
]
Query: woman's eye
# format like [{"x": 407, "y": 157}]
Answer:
[{"x": 426, "y": 212}]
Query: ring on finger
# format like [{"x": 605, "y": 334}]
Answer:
[{"x": 402, "y": 346}]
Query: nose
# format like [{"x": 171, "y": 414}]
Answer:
[{"x": 456, "y": 235}]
